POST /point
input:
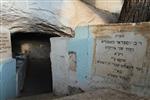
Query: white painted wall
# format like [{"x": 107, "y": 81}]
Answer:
[
  {"x": 113, "y": 6},
  {"x": 60, "y": 64},
  {"x": 110, "y": 5}
]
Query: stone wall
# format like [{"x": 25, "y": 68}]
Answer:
[
  {"x": 111, "y": 56},
  {"x": 113, "y": 6},
  {"x": 36, "y": 49},
  {"x": 51, "y": 17}
]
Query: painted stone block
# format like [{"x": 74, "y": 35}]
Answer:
[{"x": 5, "y": 44}]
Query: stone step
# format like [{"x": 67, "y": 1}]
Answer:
[{"x": 39, "y": 97}]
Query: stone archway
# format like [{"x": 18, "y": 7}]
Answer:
[
  {"x": 17, "y": 17},
  {"x": 18, "y": 21},
  {"x": 34, "y": 73}
]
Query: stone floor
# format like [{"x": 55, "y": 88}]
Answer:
[
  {"x": 47, "y": 96},
  {"x": 38, "y": 78},
  {"x": 101, "y": 94},
  {"x": 104, "y": 94}
]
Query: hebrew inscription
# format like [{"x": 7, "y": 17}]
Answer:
[
  {"x": 5, "y": 44},
  {"x": 119, "y": 58}
]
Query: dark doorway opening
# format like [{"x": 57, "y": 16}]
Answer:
[{"x": 32, "y": 52}]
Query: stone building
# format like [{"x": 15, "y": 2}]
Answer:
[{"x": 65, "y": 47}]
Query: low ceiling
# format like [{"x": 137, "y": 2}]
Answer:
[{"x": 60, "y": 18}]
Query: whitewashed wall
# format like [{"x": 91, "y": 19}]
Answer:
[
  {"x": 109, "y": 5},
  {"x": 60, "y": 64}
]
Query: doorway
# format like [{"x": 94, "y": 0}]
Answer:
[{"x": 32, "y": 53}]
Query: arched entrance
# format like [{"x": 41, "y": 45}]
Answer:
[{"x": 32, "y": 53}]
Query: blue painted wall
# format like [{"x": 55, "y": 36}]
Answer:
[
  {"x": 7, "y": 79},
  {"x": 82, "y": 44}
]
